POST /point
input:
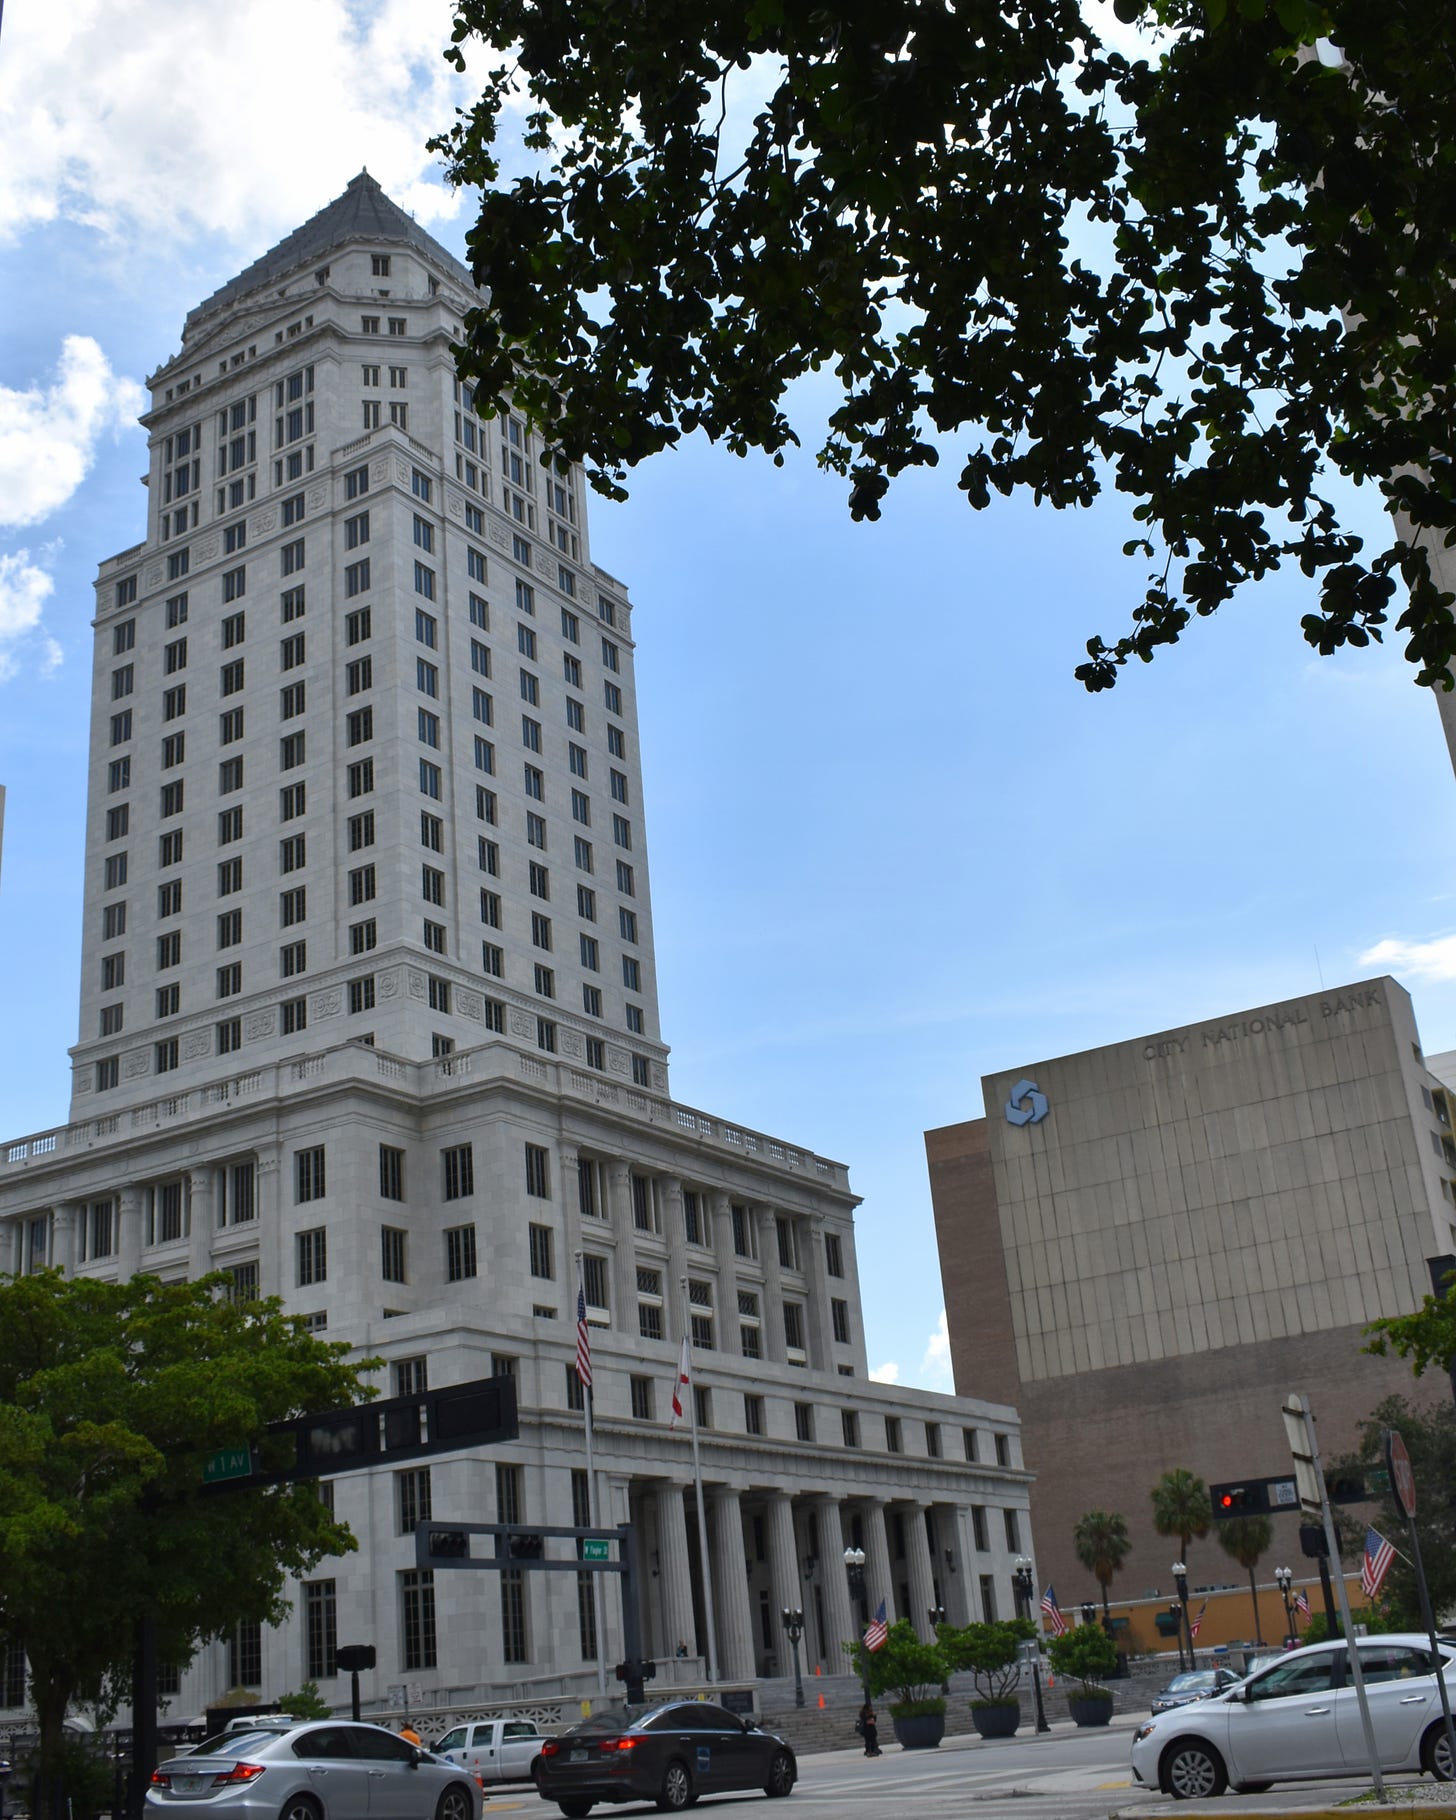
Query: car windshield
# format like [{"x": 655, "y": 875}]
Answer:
[
  {"x": 609, "y": 1719},
  {"x": 1196, "y": 1682}
]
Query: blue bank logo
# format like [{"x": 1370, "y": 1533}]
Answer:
[{"x": 1027, "y": 1104}]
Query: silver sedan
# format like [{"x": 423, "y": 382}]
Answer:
[{"x": 328, "y": 1770}]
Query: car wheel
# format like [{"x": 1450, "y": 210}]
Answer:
[
  {"x": 301, "y": 1807},
  {"x": 456, "y": 1804},
  {"x": 1436, "y": 1754},
  {"x": 1193, "y": 1771},
  {"x": 575, "y": 1810},
  {"x": 677, "y": 1788},
  {"x": 780, "y": 1775}
]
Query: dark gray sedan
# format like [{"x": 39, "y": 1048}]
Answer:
[
  {"x": 328, "y": 1770},
  {"x": 1197, "y": 1684},
  {"x": 670, "y": 1755}
]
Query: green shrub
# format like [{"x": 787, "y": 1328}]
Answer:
[{"x": 1086, "y": 1653}]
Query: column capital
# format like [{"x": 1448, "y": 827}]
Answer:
[{"x": 619, "y": 1172}]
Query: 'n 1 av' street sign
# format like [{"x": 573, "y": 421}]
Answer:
[{"x": 228, "y": 1463}]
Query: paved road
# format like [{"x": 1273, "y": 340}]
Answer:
[{"x": 1066, "y": 1775}]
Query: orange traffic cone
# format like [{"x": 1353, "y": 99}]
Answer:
[{"x": 821, "y": 1703}]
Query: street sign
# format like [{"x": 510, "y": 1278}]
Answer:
[
  {"x": 1402, "y": 1477},
  {"x": 1307, "y": 1478},
  {"x": 228, "y": 1463},
  {"x": 595, "y": 1551}
]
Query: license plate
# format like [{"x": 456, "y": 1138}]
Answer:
[
  {"x": 577, "y": 1756},
  {"x": 189, "y": 1785}
]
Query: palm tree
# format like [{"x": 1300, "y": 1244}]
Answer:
[
  {"x": 1102, "y": 1544},
  {"x": 1181, "y": 1507},
  {"x": 1246, "y": 1539}
]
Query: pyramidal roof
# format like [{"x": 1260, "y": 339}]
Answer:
[{"x": 363, "y": 212}]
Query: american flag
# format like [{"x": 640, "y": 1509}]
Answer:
[
  {"x": 877, "y": 1630},
  {"x": 1301, "y": 1602},
  {"x": 583, "y": 1341},
  {"x": 1377, "y": 1563},
  {"x": 684, "y": 1378},
  {"x": 1193, "y": 1627},
  {"x": 1052, "y": 1612}
]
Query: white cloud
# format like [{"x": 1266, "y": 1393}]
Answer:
[
  {"x": 885, "y": 1374},
  {"x": 204, "y": 118},
  {"x": 935, "y": 1366},
  {"x": 48, "y": 435},
  {"x": 1433, "y": 960},
  {"x": 24, "y": 590}
]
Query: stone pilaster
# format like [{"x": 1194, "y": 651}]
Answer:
[
  {"x": 675, "y": 1578},
  {"x": 922, "y": 1583},
  {"x": 772, "y": 1314},
  {"x": 879, "y": 1580},
  {"x": 624, "y": 1256}
]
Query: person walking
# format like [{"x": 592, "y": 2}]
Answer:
[
  {"x": 409, "y": 1734},
  {"x": 869, "y": 1730}
]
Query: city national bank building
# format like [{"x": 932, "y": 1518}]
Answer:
[{"x": 369, "y": 1021}]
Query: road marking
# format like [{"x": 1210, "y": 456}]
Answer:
[{"x": 1102, "y": 1785}]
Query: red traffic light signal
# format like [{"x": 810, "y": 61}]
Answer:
[{"x": 1246, "y": 1498}]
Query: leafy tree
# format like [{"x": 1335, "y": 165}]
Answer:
[
  {"x": 1429, "y": 1433},
  {"x": 112, "y": 1396},
  {"x": 1102, "y": 1544},
  {"x": 1425, "y": 1338},
  {"x": 906, "y": 1666},
  {"x": 1247, "y": 1539},
  {"x": 1087, "y": 1652},
  {"x": 1376, "y": 1623},
  {"x": 990, "y": 1652},
  {"x": 1215, "y": 277},
  {"x": 307, "y": 1703},
  {"x": 1181, "y": 1507}
]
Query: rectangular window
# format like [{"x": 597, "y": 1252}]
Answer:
[
  {"x": 291, "y": 604},
  {"x": 538, "y": 1181},
  {"x": 849, "y": 1419},
  {"x": 794, "y": 1326},
  {"x": 1013, "y": 1532},
  {"x": 361, "y": 995},
  {"x": 356, "y": 578},
  {"x": 392, "y": 1254},
  {"x": 311, "y": 1256},
  {"x": 362, "y": 885},
  {"x": 459, "y": 1166},
  {"x": 541, "y": 1247},
  {"x": 804, "y": 1421},
  {"x": 459, "y": 1253},
  {"x": 293, "y": 1015},
  {"x": 892, "y": 1434},
  {"x": 412, "y": 1500},
  {"x": 308, "y": 1174},
  {"x": 321, "y": 1629},
  {"x": 641, "y": 1390},
  {"x": 291, "y": 751},
  {"x": 391, "y": 1173},
  {"x": 839, "y": 1310},
  {"x": 293, "y": 959}
]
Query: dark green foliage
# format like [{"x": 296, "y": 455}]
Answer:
[
  {"x": 1429, "y": 1433},
  {"x": 1102, "y": 1544},
  {"x": 112, "y": 1398},
  {"x": 989, "y": 1651},
  {"x": 1181, "y": 1507},
  {"x": 907, "y": 1667},
  {"x": 1085, "y": 1652},
  {"x": 1082, "y": 270}
]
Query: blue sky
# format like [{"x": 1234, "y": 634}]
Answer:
[{"x": 894, "y": 845}]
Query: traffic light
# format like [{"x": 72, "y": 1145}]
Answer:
[
  {"x": 526, "y": 1548},
  {"x": 1248, "y": 1498},
  {"x": 449, "y": 1545},
  {"x": 1345, "y": 1487},
  {"x": 1312, "y": 1540}
]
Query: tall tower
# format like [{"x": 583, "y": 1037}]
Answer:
[
  {"x": 369, "y": 1022},
  {"x": 364, "y": 733}
]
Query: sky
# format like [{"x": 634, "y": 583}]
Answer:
[{"x": 894, "y": 845}]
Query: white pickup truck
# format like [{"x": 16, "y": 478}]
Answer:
[{"x": 496, "y": 1750}]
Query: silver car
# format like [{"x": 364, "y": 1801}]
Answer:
[
  {"x": 327, "y": 1770},
  {"x": 1299, "y": 1718}
]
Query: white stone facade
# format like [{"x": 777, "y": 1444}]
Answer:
[{"x": 407, "y": 1137}]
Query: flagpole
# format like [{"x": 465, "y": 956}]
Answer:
[
  {"x": 704, "y": 1552},
  {"x": 588, "y": 1395}
]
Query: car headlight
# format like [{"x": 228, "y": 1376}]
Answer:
[{"x": 1143, "y": 1731}]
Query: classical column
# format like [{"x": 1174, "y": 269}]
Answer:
[
  {"x": 678, "y": 1625},
  {"x": 732, "y": 1608},
  {"x": 922, "y": 1583},
  {"x": 570, "y": 1236},
  {"x": 63, "y": 1235},
  {"x": 201, "y": 1217},
  {"x": 772, "y": 1315},
  {"x": 956, "y": 1574},
  {"x": 783, "y": 1567},
  {"x": 624, "y": 1256},
  {"x": 840, "y": 1623},
  {"x": 9, "y": 1247},
  {"x": 879, "y": 1580},
  {"x": 675, "y": 1324},
  {"x": 275, "y": 1251},
  {"x": 719, "y": 1211},
  {"x": 128, "y": 1232},
  {"x": 820, "y": 1335}
]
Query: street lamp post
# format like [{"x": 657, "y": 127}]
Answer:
[
  {"x": 1089, "y": 1612},
  {"x": 854, "y": 1567},
  {"x": 793, "y": 1623},
  {"x": 936, "y": 1615},
  {"x": 1284, "y": 1579},
  {"x": 1025, "y": 1585},
  {"x": 1180, "y": 1580}
]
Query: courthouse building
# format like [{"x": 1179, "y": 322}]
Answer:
[
  {"x": 369, "y": 1021},
  {"x": 1146, "y": 1246}
]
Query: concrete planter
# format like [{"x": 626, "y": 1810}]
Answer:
[
  {"x": 921, "y": 1731},
  {"x": 996, "y": 1718},
  {"x": 1090, "y": 1709}
]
